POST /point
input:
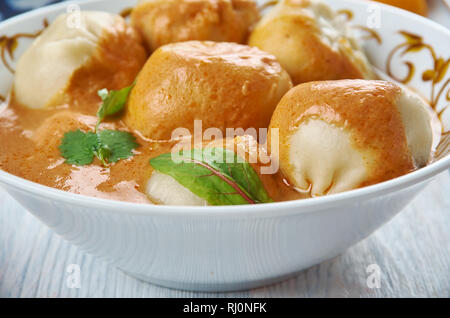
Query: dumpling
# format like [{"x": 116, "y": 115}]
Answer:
[
  {"x": 225, "y": 85},
  {"x": 311, "y": 42},
  {"x": 49, "y": 134},
  {"x": 163, "y": 189},
  {"x": 341, "y": 135},
  {"x": 168, "y": 21},
  {"x": 416, "y": 6},
  {"x": 68, "y": 61}
]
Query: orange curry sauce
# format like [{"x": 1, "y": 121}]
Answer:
[{"x": 29, "y": 141}]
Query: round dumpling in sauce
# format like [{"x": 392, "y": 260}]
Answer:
[
  {"x": 164, "y": 189},
  {"x": 225, "y": 85},
  {"x": 340, "y": 135},
  {"x": 49, "y": 134},
  {"x": 76, "y": 56},
  {"x": 167, "y": 21},
  {"x": 311, "y": 42}
]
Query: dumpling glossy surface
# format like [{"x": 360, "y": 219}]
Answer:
[
  {"x": 225, "y": 85},
  {"x": 167, "y": 21},
  {"x": 311, "y": 42},
  {"x": 341, "y": 135}
]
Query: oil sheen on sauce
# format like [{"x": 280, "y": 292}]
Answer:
[{"x": 29, "y": 141}]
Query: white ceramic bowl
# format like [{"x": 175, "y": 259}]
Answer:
[{"x": 238, "y": 247}]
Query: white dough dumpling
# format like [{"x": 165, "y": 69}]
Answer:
[
  {"x": 163, "y": 189},
  {"x": 341, "y": 135},
  {"x": 76, "y": 56},
  {"x": 311, "y": 42}
]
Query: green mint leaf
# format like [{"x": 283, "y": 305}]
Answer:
[
  {"x": 77, "y": 147},
  {"x": 115, "y": 145},
  {"x": 113, "y": 102},
  {"x": 211, "y": 175}
]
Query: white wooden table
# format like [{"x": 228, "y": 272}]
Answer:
[{"x": 412, "y": 251}]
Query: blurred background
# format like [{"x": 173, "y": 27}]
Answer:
[
  {"x": 9, "y": 8},
  {"x": 438, "y": 10}
]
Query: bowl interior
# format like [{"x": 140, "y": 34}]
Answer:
[{"x": 408, "y": 48}]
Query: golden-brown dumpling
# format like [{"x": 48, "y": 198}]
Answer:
[
  {"x": 311, "y": 42},
  {"x": 49, "y": 134},
  {"x": 225, "y": 85},
  {"x": 68, "y": 61},
  {"x": 168, "y": 21},
  {"x": 340, "y": 135}
]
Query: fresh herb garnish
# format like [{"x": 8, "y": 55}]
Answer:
[
  {"x": 78, "y": 147},
  {"x": 209, "y": 174},
  {"x": 116, "y": 145},
  {"x": 113, "y": 102},
  {"x": 109, "y": 146}
]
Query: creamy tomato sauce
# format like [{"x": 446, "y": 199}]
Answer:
[{"x": 29, "y": 141}]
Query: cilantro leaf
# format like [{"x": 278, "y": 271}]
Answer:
[
  {"x": 113, "y": 102},
  {"x": 77, "y": 147},
  {"x": 117, "y": 144},
  {"x": 109, "y": 146},
  {"x": 102, "y": 153}
]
